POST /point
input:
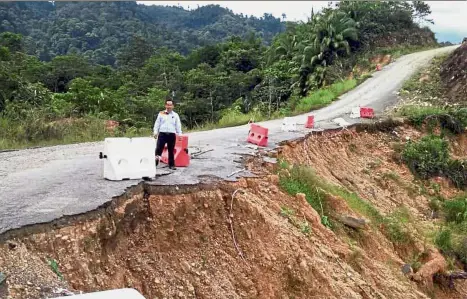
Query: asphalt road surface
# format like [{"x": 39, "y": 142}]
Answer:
[{"x": 40, "y": 185}]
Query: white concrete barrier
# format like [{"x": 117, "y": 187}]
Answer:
[
  {"x": 355, "y": 113},
  {"x": 144, "y": 152},
  {"x": 129, "y": 158},
  {"x": 111, "y": 294},
  {"x": 289, "y": 124}
]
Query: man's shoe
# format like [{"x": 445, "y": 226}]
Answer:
[
  {"x": 157, "y": 160},
  {"x": 172, "y": 167}
]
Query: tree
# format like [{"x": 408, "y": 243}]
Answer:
[
  {"x": 135, "y": 54},
  {"x": 11, "y": 41},
  {"x": 329, "y": 38},
  {"x": 422, "y": 11},
  {"x": 62, "y": 69}
]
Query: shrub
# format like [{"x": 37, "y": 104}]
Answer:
[
  {"x": 456, "y": 209},
  {"x": 456, "y": 170},
  {"x": 428, "y": 157},
  {"x": 443, "y": 240}
]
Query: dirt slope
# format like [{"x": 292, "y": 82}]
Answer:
[
  {"x": 178, "y": 242},
  {"x": 454, "y": 75}
]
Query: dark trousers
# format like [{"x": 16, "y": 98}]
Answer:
[{"x": 169, "y": 139}]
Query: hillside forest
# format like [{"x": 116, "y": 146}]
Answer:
[{"x": 67, "y": 68}]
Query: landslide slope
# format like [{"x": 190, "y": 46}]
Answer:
[
  {"x": 453, "y": 74},
  {"x": 259, "y": 237}
]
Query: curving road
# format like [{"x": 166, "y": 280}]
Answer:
[{"x": 40, "y": 185}]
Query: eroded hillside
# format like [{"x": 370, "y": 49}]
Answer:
[
  {"x": 454, "y": 75},
  {"x": 350, "y": 222}
]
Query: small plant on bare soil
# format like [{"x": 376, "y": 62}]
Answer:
[
  {"x": 54, "y": 266},
  {"x": 303, "y": 180},
  {"x": 303, "y": 226},
  {"x": 286, "y": 212},
  {"x": 416, "y": 260}
]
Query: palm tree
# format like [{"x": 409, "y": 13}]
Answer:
[
  {"x": 329, "y": 38},
  {"x": 286, "y": 47}
]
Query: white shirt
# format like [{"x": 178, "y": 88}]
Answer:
[{"x": 167, "y": 123}]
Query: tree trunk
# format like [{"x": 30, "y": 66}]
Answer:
[
  {"x": 165, "y": 79},
  {"x": 270, "y": 98},
  {"x": 212, "y": 106}
]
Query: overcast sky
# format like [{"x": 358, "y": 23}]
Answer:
[{"x": 450, "y": 16}]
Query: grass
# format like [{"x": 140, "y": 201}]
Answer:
[
  {"x": 392, "y": 176},
  {"x": 429, "y": 157},
  {"x": 451, "y": 238},
  {"x": 303, "y": 226},
  {"x": 302, "y": 179},
  {"x": 41, "y": 133},
  {"x": 324, "y": 96}
]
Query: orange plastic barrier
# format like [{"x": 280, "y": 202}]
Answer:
[
  {"x": 181, "y": 156},
  {"x": 367, "y": 112},
  {"x": 310, "y": 122},
  {"x": 258, "y": 135}
]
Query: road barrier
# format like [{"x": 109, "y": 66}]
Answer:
[
  {"x": 355, "y": 113},
  {"x": 310, "y": 122},
  {"x": 110, "y": 294},
  {"x": 289, "y": 124},
  {"x": 181, "y": 156},
  {"x": 128, "y": 158},
  {"x": 366, "y": 112},
  {"x": 379, "y": 67},
  {"x": 258, "y": 135},
  {"x": 362, "y": 112}
]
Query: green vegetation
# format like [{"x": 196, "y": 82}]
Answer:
[
  {"x": 99, "y": 30},
  {"x": 429, "y": 157},
  {"x": 302, "y": 179},
  {"x": 424, "y": 93},
  {"x": 67, "y": 68},
  {"x": 456, "y": 210},
  {"x": 325, "y": 96},
  {"x": 54, "y": 266},
  {"x": 303, "y": 226},
  {"x": 451, "y": 238}
]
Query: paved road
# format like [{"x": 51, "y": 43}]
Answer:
[{"x": 40, "y": 185}]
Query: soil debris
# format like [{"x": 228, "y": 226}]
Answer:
[{"x": 250, "y": 238}]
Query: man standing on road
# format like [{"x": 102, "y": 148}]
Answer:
[{"x": 166, "y": 127}]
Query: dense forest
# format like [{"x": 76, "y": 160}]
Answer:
[
  {"x": 98, "y": 30},
  {"x": 67, "y": 65}
]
